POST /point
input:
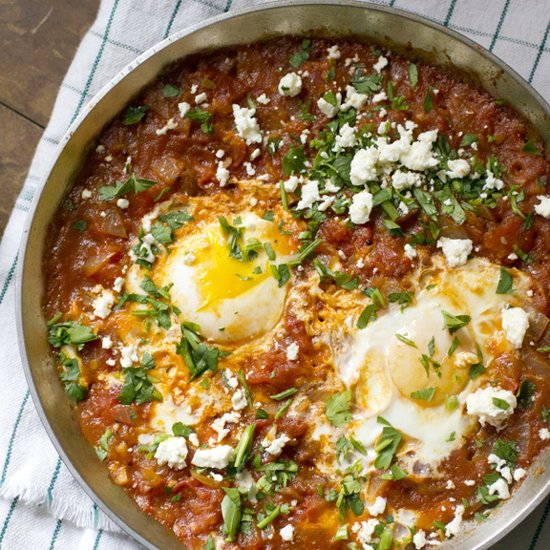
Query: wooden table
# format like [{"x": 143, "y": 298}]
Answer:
[{"x": 38, "y": 39}]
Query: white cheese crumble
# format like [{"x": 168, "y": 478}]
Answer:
[
  {"x": 543, "y": 207},
  {"x": 219, "y": 424},
  {"x": 481, "y": 404},
  {"x": 292, "y": 183},
  {"x": 353, "y": 99},
  {"x": 500, "y": 488},
  {"x": 183, "y": 108},
  {"x": 458, "y": 168},
  {"x": 515, "y": 323},
  {"x": 172, "y": 451},
  {"x": 222, "y": 174},
  {"x": 380, "y": 64},
  {"x": 345, "y": 138},
  {"x": 361, "y": 206},
  {"x": 544, "y": 434},
  {"x": 275, "y": 448},
  {"x": 327, "y": 108},
  {"x": 287, "y": 533},
  {"x": 106, "y": 342},
  {"x": 292, "y": 351},
  {"x": 520, "y": 473},
  {"x": 333, "y": 52},
  {"x": 365, "y": 530},
  {"x": 419, "y": 539},
  {"x": 216, "y": 457},
  {"x": 379, "y": 97},
  {"x": 247, "y": 124},
  {"x": 128, "y": 355},
  {"x": 453, "y": 527},
  {"x": 290, "y": 84},
  {"x": 103, "y": 304},
  {"x": 123, "y": 204},
  {"x": 86, "y": 194},
  {"x": 238, "y": 401},
  {"x": 363, "y": 166},
  {"x": 201, "y": 98},
  {"x": 410, "y": 252},
  {"x": 171, "y": 124},
  {"x": 456, "y": 251},
  {"x": 118, "y": 284},
  {"x": 263, "y": 99},
  {"x": 310, "y": 194},
  {"x": 377, "y": 507}
]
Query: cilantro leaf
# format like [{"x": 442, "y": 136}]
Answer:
[
  {"x": 69, "y": 332},
  {"x": 133, "y": 115},
  {"x": 505, "y": 283},
  {"x": 138, "y": 385},
  {"x": 338, "y": 408}
]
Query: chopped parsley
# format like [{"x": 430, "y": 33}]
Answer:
[
  {"x": 69, "y": 332},
  {"x": 102, "y": 448},
  {"x": 453, "y": 323},
  {"x": 70, "y": 376},
  {"x": 302, "y": 55},
  {"x": 505, "y": 283},
  {"x": 139, "y": 386},
  {"x": 425, "y": 394},
  {"x": 413, "y": 75},
  {"x": 170, "y": 90},
  {"x": 133, "y": 115},
  {"x": 387, "y": 445},
  {"x": 231, "y": 513},
  {"x": 132, "y": 185},
  {"x": 338, "y": 408},
  {"x": 204, "y": 118}
]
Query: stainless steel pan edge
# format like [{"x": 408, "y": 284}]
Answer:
[{"x": 388, "y": 26}]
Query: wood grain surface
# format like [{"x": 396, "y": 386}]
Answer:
[{"x": 38, "y": 39}]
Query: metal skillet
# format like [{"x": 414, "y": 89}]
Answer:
[{"x": 405, "y": 33}]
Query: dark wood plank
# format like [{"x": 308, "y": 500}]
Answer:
[
  {"x": 16, "y": 150},
  {"x": 38, "y": 39}
]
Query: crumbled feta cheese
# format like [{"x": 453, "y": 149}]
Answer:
[
  {"x": 194, "y": 88},
  {"x": 450, "y": 484},
  {"x": 128, "y": 355},
  {"x": 469, "y": 482},
  {"x": 458, "y": 168},
  {"x": 189, "y": 258},
  {"x": 353, "y": 99},
  {"x": 500, "y": 488},
  {"x": 201, "y": 98},
  {"x": 456, "y": 251},
  {"x": 481, "y": 404},
  {"x": 118, "y": 284},
  {"x": 492, "y": 182},
  {"x": 520, "y": 473},
  {"x": 379, "y": 97},
  {"x": 515, "y": 323},
  {"x": 327, "y": 108},
  {"x": 405, "y": 180},
  {"x": 345, "y": 138},
  {"x": 110, "y": 362},
  {"x": 378, "y": 507},
  {"x": 216, "y": 457},
  {"x": 419, "y": 539},
  {"x": 103, "y": 303},
  {"x": 123, "y": 204},
  {"x": 100, "y": 149},
  {"x": 263, "y": 99},
  {"x": 380, "y": 64},
  {"x": 410, "y": 252},
  {"x": 361, "y": 206},
  {"x": 219, "y": 424},
  {"x": 255, "y": 154},
  {"x": 238, "y": 401},
  {"x": 171, "y": 124},
  {"x": 310, "y": 194},
  {"x": 86, "y": 193},
  {"x": 247, "y": 124},
  {"x": 363, "y": 166},
  {"x": 222, "y": 174},
  {"x": 464, "y": 359},
  {"x": 275, "y": 448},
  {"x": 364, "y": 530},
  {"x": 220, "y": 153},
  {"x": 290, "y": 84},
  {"x": 106, "y": 342},
  {"x": 453, "y": 527},
  {"x": 419, "y": 155},
  {"x": 194, "y": 439},
  {"x": 544, "y": 434},
  {"x": 333, "y": 52},
  {"x": 292, "y": 351},
  {"x": 291, "y": 184},
  {"x": 543, "y": 207},
  {"x": 287, "y": 533},
  {"x": 172, "y": 451},
  {"x": 183, "y": 108}
]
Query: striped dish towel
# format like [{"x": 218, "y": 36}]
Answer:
[{"x": 41, "y": 506}]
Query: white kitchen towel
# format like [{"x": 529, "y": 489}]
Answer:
[{"x": 42, "y": 506}]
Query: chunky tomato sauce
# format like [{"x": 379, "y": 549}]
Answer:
[{"x": 91, "y": 238}]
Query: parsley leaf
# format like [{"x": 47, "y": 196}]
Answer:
[
  {"x": 425, "y": 394},
  {"x": 133, "y": 115},
  {"x": 132, "y": 185},
  {"x": 413, "y": 75},
  {"x": 170, "y": 90},
  {"x": 70, "y": 376},
  {"x": 338, "y": 408},
  {"x": 299, "y": 58},
  {"x": 294, "y": 160},
  {"x": 387, "y": 445},
  {"x": 505, "y": 283},
  {"x": 453, "y": 323},
  {"x": 202, "y": 117},
  {"x": 231, "y": 512},
  {"x": 198, "y": 356},
  {"x": 138, "y": 385},
  {"x": 69, "y": 332},
  {"x": 531, "y": 147}
]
